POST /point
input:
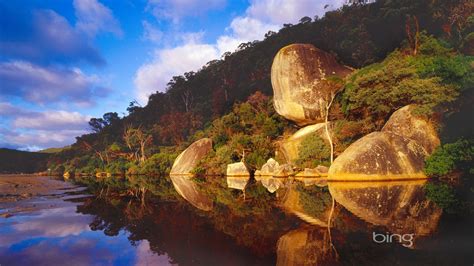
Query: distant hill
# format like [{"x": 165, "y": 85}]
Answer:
[
  {"x": 54, "y": 150},
  {"x": 14, "y": 161}
]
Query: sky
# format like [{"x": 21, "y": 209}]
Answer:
[{"x": 64, "y": 62}]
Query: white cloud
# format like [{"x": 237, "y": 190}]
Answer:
[
  {"x": 289, "y": 11},
  {"x": 40, "y": 139},
  {"x": 151, "y": 33},
  {"x": 52, "y": 120},
  {"x": 39, "y": 84},
  {"x": 154, "y": 76},
  {"x": 34, "y": 130},
  {"x": 259, "y": 18},
  {"x": 93, "y": 17},
  {"x": 174, "y": 10}
]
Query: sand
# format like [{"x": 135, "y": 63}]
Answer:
[{"x": 20, "y": 187}]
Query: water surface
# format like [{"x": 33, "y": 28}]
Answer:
[{"x": 265, "y": 222}]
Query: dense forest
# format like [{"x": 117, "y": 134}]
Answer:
[{"x": 403, "y": 51}]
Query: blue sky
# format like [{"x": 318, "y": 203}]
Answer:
[{"x": 63, "y": 62}]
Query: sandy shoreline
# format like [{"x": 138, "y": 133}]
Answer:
[{"x": 20, "y": 187}]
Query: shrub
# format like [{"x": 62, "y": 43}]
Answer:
[
  {"x": 313, "y": 151},
  {"x": 449, "y": 157}
]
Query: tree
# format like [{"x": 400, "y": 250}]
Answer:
[
  {"x": 137, "y": 140},
  {"x": 413, "y": 37},
  {"x": 305, "y": 20},
  {"x": 326, "y": 124}
]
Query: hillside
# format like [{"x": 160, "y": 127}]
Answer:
[
  {"x": 14, "y": 161},
  {"x": 226, "y": 93}
]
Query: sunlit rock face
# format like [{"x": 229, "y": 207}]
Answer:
[
  {"x": 379, "y": 156},
  {"x": 305, "y": 246},
  {"x": 268, "y": 168},
  {"x": 397, "y": 152},
  {"x": 318, "y": 171},
  {"x": 404, "y": 123},
  {"x": 187, "y": 188},
  {"x": 289, "y": 147},
  {"x": 237, "y": 169},
  {"x": 300, "y": 78},
  {"x": 189, "y": 158},
  {"x": 400, "y": 206}
]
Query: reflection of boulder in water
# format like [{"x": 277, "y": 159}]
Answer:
[
  {"x": 237, "y": 182},
  {"x": 311, "y": 204},
  {"x": 189, "y": 191},
  {"x": 400, "y": 206},
  {"x": 305, "y": 246},
  {"x": 272, "y": 184}
]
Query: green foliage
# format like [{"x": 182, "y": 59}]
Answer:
[
  {"x": 434, "y": 77},
  {"x": 159, "y": 163},
  {"x": 449, "y": 157},
  {"x": 313, "y": 151},
  {"x": 443, "y": 195},
  {"x": 249, "y": 130}
]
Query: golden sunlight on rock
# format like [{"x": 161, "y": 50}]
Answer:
[
  {"x": 189, "y": 158},
  {"x": 301, "y": 78}
]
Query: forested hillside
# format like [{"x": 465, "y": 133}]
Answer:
[
  {"x": 229, "y": 99},
  {"x": 13, "y": 161}
]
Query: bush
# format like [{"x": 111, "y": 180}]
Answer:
[
  {"x": 449, "y": 157},
  {"x": 313, "y": 151},
  {"x": 435, "y": 76}
]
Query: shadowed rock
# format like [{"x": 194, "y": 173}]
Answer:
[
  {"x": 300, "y": 76},
  {"x": 189, "y": 158}
]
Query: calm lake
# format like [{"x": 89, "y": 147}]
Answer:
[{"x": 272, "y": 221}]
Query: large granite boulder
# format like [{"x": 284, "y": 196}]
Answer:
[
  {"x": 379, "y": 156},
  {"x": 301, "y": 82},
  {"x": 404, "y": 123},
  {"x": 289, "y": 147},
  {"x": 397, "y": 152},
  {"x": 237, "y": 169},
  {"x": 189, "y": 158}
]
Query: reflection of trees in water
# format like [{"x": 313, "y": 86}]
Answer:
[{"x": 187, "y": 235}]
